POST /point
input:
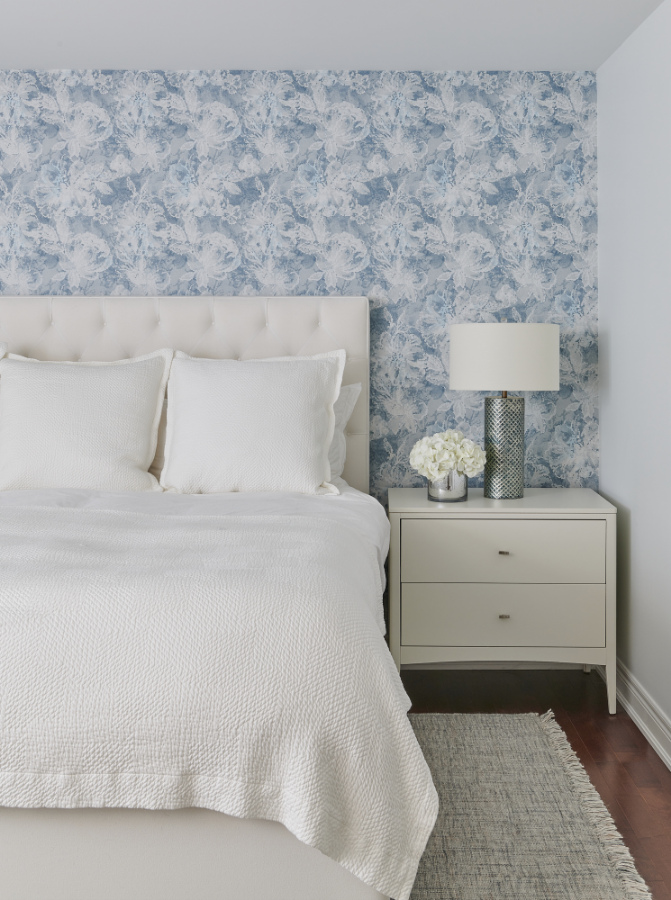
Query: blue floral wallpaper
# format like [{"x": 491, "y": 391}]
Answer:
[{"x": 442, "y": 196}]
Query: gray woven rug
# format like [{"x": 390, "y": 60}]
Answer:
[{"x": 519, "y": 818}]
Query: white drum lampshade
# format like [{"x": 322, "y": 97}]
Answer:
[{"x": 504, "y": 356}]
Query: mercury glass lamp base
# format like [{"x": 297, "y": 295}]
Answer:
[
  {"x": 504, "y": 446},
  {"x": 453, "y": 488}
]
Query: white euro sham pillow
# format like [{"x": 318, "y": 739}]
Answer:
[
  {"x": 3, "y": 349},
  {"x": 343, "y": 409},
  {"x": 159, "y": 458},
  {"x": 88, "y": 425},
  {"x": 251, "y": 425}
]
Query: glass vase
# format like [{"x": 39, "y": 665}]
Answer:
[{"x": 452, "y": 488}]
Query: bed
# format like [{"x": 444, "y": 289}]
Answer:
[{"x": 179, "y": 851}]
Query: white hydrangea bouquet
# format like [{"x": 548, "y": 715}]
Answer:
[{"x": 447, "y": 459}]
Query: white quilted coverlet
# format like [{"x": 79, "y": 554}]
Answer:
[{"x": 162, "y": 651}]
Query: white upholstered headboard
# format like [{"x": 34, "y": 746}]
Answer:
[{"x": 109, "y": 328}]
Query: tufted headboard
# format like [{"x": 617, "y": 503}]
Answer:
[{"x": 110, "y": 328}]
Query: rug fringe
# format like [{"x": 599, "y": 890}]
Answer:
[{"x": 635, "y": 887}]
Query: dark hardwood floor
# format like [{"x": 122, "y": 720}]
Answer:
[{"x": 633, "y": 782}]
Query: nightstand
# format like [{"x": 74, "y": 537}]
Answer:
[{"x": 503, "y": 580}]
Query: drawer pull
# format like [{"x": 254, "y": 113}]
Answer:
[
  {"x": 504, "y": 616},
  {"x": 504, "y": 552}
]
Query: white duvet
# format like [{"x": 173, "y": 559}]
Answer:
[{"x": 163, "y": 651}]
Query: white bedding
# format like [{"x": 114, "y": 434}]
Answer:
[{"x": 223, "y": 651}]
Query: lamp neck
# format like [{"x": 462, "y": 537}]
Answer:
[{"x": 504, "y": 395}]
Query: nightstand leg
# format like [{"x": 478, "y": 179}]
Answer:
[
  {"x": 611, "y": 688},
  {"x": 587, "y": 668},
  {"x": 395, "y": 590}
]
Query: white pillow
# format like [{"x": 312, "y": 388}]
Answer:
[
  {"x": 159, "y": 458},
  {"x": 253, "y": 425},
  {"x": 3, "y": 349},
  {"x": 343, "y": 408},
  {"x": 88, "y": 425}
]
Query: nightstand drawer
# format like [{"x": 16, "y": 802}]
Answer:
[
  {"x": 503, "y": 550},
  {"x": 503, "y": 615}
]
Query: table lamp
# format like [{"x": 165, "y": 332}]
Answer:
[{"x": 504, "y": 356}]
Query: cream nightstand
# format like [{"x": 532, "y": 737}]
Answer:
[{"x": 497, "y": 580}]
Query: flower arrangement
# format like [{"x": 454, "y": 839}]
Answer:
[{"x": 445, "y": 452}]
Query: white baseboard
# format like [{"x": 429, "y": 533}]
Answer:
[{"x": 644, "y": 711}]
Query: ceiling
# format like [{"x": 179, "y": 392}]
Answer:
[{"x": 316, "y": 34}]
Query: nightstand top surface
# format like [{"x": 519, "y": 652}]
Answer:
[{"x": 535, "y": 500}]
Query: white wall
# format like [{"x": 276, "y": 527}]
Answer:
[
  {"x": 634, "y": 140},
  {"x": 315, "y": 34}
]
